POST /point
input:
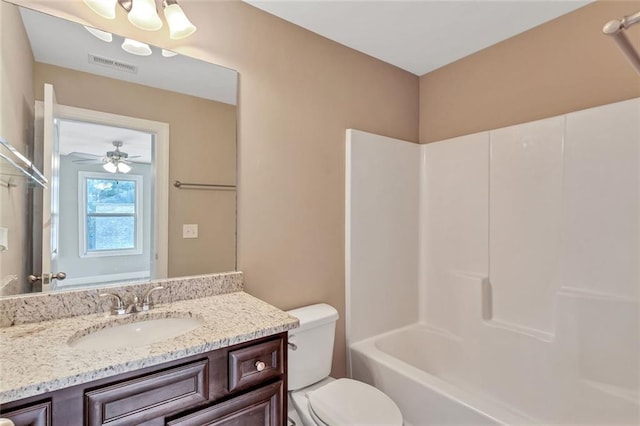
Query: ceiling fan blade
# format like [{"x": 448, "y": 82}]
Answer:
[
  {"x": 84, "y": 155},
  {"x": 88, "y": 161}
]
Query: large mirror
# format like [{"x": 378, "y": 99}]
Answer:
[{"x": 139, "y": 152}]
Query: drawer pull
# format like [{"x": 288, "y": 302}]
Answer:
[{"x": 260, "y": 365}]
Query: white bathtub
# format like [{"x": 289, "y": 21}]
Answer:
[
  {"x": 435, "y": 383},
  {"x": 390, "y": 362}
]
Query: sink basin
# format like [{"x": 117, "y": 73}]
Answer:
[{"x": 137, "y": 333}]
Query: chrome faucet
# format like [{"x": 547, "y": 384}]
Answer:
[
  {"x": 118, "y": 306},
  {"x": 135, "y": 306},
  {"x": 147, "y": 302}
]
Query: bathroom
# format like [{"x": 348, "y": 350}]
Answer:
[{"x": 299, "y": 92}]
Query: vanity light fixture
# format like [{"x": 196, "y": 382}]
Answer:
[
  {"x": 179, "y": 25},
  {"x": 136, "y": 48},
  {"x": 144, "y": 15},
  {"x": 104, "y": 8},
  {"x": 102, "y": 35}
]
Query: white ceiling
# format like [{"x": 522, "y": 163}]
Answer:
[
  {"x": 67, "y": 44},
  {"x": 418, "y": 36},
  {"x": 97, "y": 139}
]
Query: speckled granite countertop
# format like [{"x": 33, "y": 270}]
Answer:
[{"x": 36, "y": 358}]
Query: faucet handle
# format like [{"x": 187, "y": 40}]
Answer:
[
  {"x": 146, "y": 299},
  {"x": 118, "y": 308}
]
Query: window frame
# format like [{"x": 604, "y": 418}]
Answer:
[{"x": 83, "y": 176}]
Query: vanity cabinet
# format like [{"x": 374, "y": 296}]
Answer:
[
  {"x": 243, "y": 385},
  {"x": 38, "y": 414}
]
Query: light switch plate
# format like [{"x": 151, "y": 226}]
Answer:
[{"x": 190, "y": 230}]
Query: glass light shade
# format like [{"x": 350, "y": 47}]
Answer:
[
  {"x": 123, "y": 167},
  {"x": 179, "y": 24},
  {"x": 104, "y": 8},
  {"x": 136, "y": 47},
  {"x": 110, "y": 167},
  {"x": 102, "y": 35},
  {"x": 168, "y": 54},
  {"x": 144, "y": 15}
]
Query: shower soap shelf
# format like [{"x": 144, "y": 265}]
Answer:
[{"x": 13, "y": 164}]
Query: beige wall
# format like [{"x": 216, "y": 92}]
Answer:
[
  {"x": 16, "y": 126},
  {"x": 202, "y": 149},
  {"x": 298, "y": 94},
  {"x": 564, "y": 65}
]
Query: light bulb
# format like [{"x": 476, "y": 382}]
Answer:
[
  {"x": 179, "y": 24},
  {"x": 110, "y": 167},
  {"x": 102, "y": 35},
  {"x": 168, "y": 53},
  {"x": 123, "y": 167},
  {"x": 144, "y": 15},
  {"x": 104, "y": 8},
  {"x": 136, "y": 47}
]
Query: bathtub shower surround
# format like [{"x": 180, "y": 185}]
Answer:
[{"x": 527, "y": 304}]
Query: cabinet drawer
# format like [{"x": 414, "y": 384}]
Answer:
[
  {"x": 261, "y": 407},
  {"x": 255, "y": 364},
  {"x": 33, "y": 415},
  {"x": 135, "y": 401}
]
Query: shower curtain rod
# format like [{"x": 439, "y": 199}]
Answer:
[{"x": 616, "y": 29}]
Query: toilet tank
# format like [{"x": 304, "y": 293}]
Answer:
[{"x": 310, "y": 362}]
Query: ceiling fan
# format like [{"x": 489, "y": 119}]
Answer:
[{"x": 115, "y": 161}]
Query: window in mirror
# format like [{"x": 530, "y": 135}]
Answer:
[{"x": 111, "y": 222}]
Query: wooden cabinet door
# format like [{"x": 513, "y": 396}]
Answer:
[
  {"x": 136, "y": 401},
  {"x": 34, "y": 415},
  {"x": 261, "y": 407}
]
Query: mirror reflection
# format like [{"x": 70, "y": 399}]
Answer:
[{"x": 112, "y": 124}]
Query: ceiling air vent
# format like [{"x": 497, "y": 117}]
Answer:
[{"x": 113, "y": 64}]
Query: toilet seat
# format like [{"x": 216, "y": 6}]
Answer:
[{"x": 349, "y": 402}]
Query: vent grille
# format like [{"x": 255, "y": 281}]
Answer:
[{"x": 113, "y": 64}]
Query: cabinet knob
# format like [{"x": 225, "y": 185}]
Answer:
[{"x": 260, "y": 365}]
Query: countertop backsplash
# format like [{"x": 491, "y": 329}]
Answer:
[{"x": 37, "y": 307}]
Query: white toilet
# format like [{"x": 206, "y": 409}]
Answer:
[{"x": 322, "y": 400}]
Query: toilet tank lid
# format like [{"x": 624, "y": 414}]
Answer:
[{"x": 314, "y": 315}]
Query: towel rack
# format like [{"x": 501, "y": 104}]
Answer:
[{"x": 185, "y": 185}]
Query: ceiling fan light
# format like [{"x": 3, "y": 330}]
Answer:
[
  {"x": 102, "y": 35},
  {"x": 110, "y": 167},
  {"x": 136, "y": 48},
  {"x": 104, "y": 8},
  {"x": 144, "y": 15},
  {"x": 123, "y": 167},
  {"x": 179, "y": 24}
]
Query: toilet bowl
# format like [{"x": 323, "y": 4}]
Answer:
[
  {"x": 320, "y": 400},
  {"x": 344, "y": 402}
]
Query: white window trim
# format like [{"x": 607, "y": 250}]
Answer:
[{"x": 82, "y": 214}]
